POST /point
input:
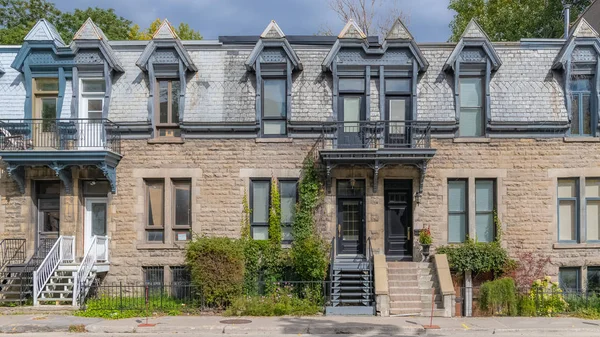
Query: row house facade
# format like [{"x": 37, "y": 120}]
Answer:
[{"x": 128, "y": 148}]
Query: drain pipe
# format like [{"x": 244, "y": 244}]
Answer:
[{"x": 567, "y": 16}]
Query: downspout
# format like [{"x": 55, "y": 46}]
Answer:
[{"x": 567, "y": 21}]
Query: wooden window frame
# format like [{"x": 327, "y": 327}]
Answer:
[
  {"x": 482, "y": 107},
  {"x": 579, "y": 95},
  {"x": 579, "y": 273},
  {"x": 264, "y": 118},
  {"x": 287, "y": 225},
  {"x": 494, "y": 205},
  {"x": 577, "y": 210},
  {"x": 465, "y": 212},
  {"x": 169, "y": 125},
  {"x": 251, "y": 203},
  {"x": 147, "y": 226},
  {"x": 179, "y": 228}
]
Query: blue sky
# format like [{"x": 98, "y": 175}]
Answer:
[{"x": 428, "y": 19}]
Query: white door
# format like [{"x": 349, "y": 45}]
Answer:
[
  {"x": 90, "y": 126},
  {"x": 95, "y": 222}
]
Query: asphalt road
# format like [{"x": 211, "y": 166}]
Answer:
[{"x": 430, "y": 333}]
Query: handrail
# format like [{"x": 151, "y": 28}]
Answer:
[
  {"x": 86, "y": 266},
  {"x": 13, "y": 251},
  {"x": 332, "y": 250},
  {"x": 26, "y": 279},
  {"x": 371, "y": 266},
  {"x": 63, "y": 250}
]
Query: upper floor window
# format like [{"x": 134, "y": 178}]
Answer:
[
  {"x": 471, "y": 119},
  {"x": 167, "y": 114},
  {"x": 45, "y": 101},
  {"x": 274, "y": 111},
  {"x": 92, "y": 98},
  {"x": 581, "y": 92}
]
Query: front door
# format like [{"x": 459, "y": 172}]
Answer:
[
  {"x": 351, "y": 111},
  {"x": 350, "y": 229},
  {"x": 95, "y": 221},
  {"x": 48, "y": 222},
  {"x": 398, "y": 219}
]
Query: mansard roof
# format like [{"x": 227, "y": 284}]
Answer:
[
  {"x": 582, "y": 35},
  {"x": 91, "y": 36},
  {"x": 44, "y": 31},
  {"x": 353, "y": 37},
  {"x": 165, "y": 37},
  {"x": 273, "y": 37},
  {"x": 473, "y": 36}
]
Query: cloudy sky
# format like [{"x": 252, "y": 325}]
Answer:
[{"x": 428, "y": 19}]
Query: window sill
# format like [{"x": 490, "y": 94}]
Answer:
[
  {"x": 581, "y": 140},
  {"x": 471, "y": 140},
  {"x": 576, "y": 246},
  {"x": 160, "y": 246},
  {"x": 165, "y": 141},
  {"x": 274, "y": 140}
]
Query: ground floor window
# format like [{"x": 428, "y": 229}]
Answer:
[
  {"x": 593, "y": 280},
  {"x": 154, "y": 277},
  {"x": 569, "y": 279},
  {"x": 260, "y": 203}
]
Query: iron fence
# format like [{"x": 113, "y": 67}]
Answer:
[
  {"x": 59, "y": 134},
  {"x": 12, "y": 251}
]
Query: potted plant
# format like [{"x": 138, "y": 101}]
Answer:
[{"x": 425, "y": 240}]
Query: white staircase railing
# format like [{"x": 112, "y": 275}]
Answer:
[
  {"x": 96, "y": 252},
  {"x": 62, "y": 251}
]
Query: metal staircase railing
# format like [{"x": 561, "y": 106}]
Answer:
[
  {"x": 26, "y": 273},
  {"x": 371, "y": 270},
  {"x": 12, "y": 251},
  {"x": 332, "y": 251},
  {"x": 97, "y": 251},
  {"x": 62, "y": 251}
]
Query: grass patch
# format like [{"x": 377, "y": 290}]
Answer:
[
  {"x": 77, "y": 328},
  {"x": 281, "y": 302},
  {"x": 128, "y": 307}
]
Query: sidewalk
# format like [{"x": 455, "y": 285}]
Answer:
[{"x": 294, "y": 325}]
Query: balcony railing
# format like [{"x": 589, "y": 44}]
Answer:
[
  {"x": 59, "y": 134},
  {"x": 377, "y": 135}
]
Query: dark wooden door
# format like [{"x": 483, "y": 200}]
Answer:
[
  {"x": 397, "y": 131},
  {"x": 398, "y": 222},
  {"x": 350, "y": 228},
  {"x": 352, "y": 113}
]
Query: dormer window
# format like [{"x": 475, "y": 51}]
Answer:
[
  {"x": 472, "y": 116},
  {"x": 168, "y": 108},
  {"x": 274, "y": 107},
  {"x": 581, "y": 93}
]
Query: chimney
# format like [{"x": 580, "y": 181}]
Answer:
[{"x": 567, "y": 15}]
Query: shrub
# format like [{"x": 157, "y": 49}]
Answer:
[
  {"x": 548, "y": 297},
  {"x": 280, "y": 302},
  {"x": 499, "y": 297},
  {"x": 217, "y": 267},
  {"x": 477, "y": 257},
  {"x": 131, "y": 306},
  {"x": 528, "y": 268},
  {"x": 526, "y": 306},
  {"x": 310, "y": 258}
]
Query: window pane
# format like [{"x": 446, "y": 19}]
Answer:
[
  {"x": 154, "y": 276},
  {"x": 49, "y": 108},
  {"x": 397, "y": 85},
  {"x": 46, "y": 84},
  {"x": 586, "y": 115},
  {"x": 575, "y": 115},
  {"x": 567, "y": 188},
  {"x": 274, "y": 127},
  {"x": 288, "y": 201},
  {"x": 456, "y": 227},
  {"x": 99, "y": 218},
  {"x": 581, "y": 84},
  {"x": 351, "y": 113},
  {"x": 592, "y": 188},
  {"x": 397, "y": 110},
  {"x": 566, "y": 220},
  {"x": 457, "y": 196},
  {"x": 94, "y": 86},
  {"x": 155, "y": 203},
  {"x": 94, "y": 105},
  {"x": 592, "y": 219},
  {"x": 484, "y": 227},
  {"x": 175, "y": 91},
  {"x": 260, "y": 233},
  {"x": 470, "y": 92},
  {"x": 568, "y": 279},
  {"x": 287, "y": 234},
  {"x": 260, "y": 201},
  {"x": 351, "y": 84},
  {"x": 593, "y": 280},
  {"x": 163, "y": 99},
  {"x": 471, "y": 122},
  {"x": 155, "y": 235},
  {"x": 274, "y": 98},
  {"x": 182, "y": 203},
  {"x": 484, "y": 195}
]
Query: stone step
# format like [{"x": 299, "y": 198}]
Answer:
[
  {"x": 405, "y": 312},
  {"x": 407, "y": 305},
  {"x": 403, "y": 283},
  {"x": 401, "y": 277},
  {"x": 406, "y": 297},
  {"x": 402, "y": 271}
]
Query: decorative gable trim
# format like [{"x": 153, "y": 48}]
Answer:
[
  {"x": 473, "y": 37},
  {"x": 165, "y": 31},
  {"x": 272, "y": 31},
  {"x": 399, "y": 32},
  {"x": 175, "y": 44},
  {"x": 273, "y": 43},
  {"x": 584, "y": 29},
  {"x": 352, "y": 31},
  {"x": 44, "y": 31}
]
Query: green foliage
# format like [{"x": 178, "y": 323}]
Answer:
[
  {"x": 275, "y": 232},
  {"x": 586, "y": 306},
  {"x": 425, "y": 236},
  {"x": 477, "y": 257},
  {"x": 548, "y": 297},
  {"x": 310, "y": 258},
  {"x": 129, "y": 307},
  {"x": 526, "y": 307},
  {"x": 280, "y": 302},
  {"x": 509, "y": 20},
  {"x": 245, "y": 230},
  {"x": 499, "y": 297},
  {"x": 184, "y": 31},
  {"x": 114, "y": 27},
  {"x": 17, "y": 17},
  {"x": 217, "y": 266}
]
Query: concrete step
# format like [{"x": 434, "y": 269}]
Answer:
[
  {"x": 403, "y": 277},
  {"x": 402, "y": 271},
  {"x": 406, "y": 305},
  {"x": 403, "y": 283},
  {"x": 406, "y": 297},
  {"x": 405, "y": 312}
]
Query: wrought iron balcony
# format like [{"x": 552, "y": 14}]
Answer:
[{"x": 59, "y": 134}]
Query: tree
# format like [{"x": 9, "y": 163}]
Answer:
[
  {"x": 184, "y": 31},
  {"x": 512, "y": 20},
  {"x": 17, "y": 17},
  {"x": 114, "y": 27},
  {"x": 372, "y": 16}
]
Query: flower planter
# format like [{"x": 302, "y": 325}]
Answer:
[{"x": 425, "y": 252}]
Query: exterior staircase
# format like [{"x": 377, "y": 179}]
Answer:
[
  {"x": 13, "y": 286},
  {"x": 59, "y": 288},
  {"x": 410, "y": 287}
]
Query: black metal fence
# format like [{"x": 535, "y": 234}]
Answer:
[
  {"x": 12, "y": 251},
  {"x": 59, "y": 134}
]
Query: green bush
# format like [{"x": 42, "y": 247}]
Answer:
[
  {"x": 548, "y": 297},
  {"x": 526, "y": 307},
  {"x": 499, "y": 297},
  {"x": 310, "y": 258},
  {"x": 130, "y": 307},
  {"x": 477, "y": 257},
  {"x": 217, "y": 267},
  {"x": 279, "y": 303}
]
